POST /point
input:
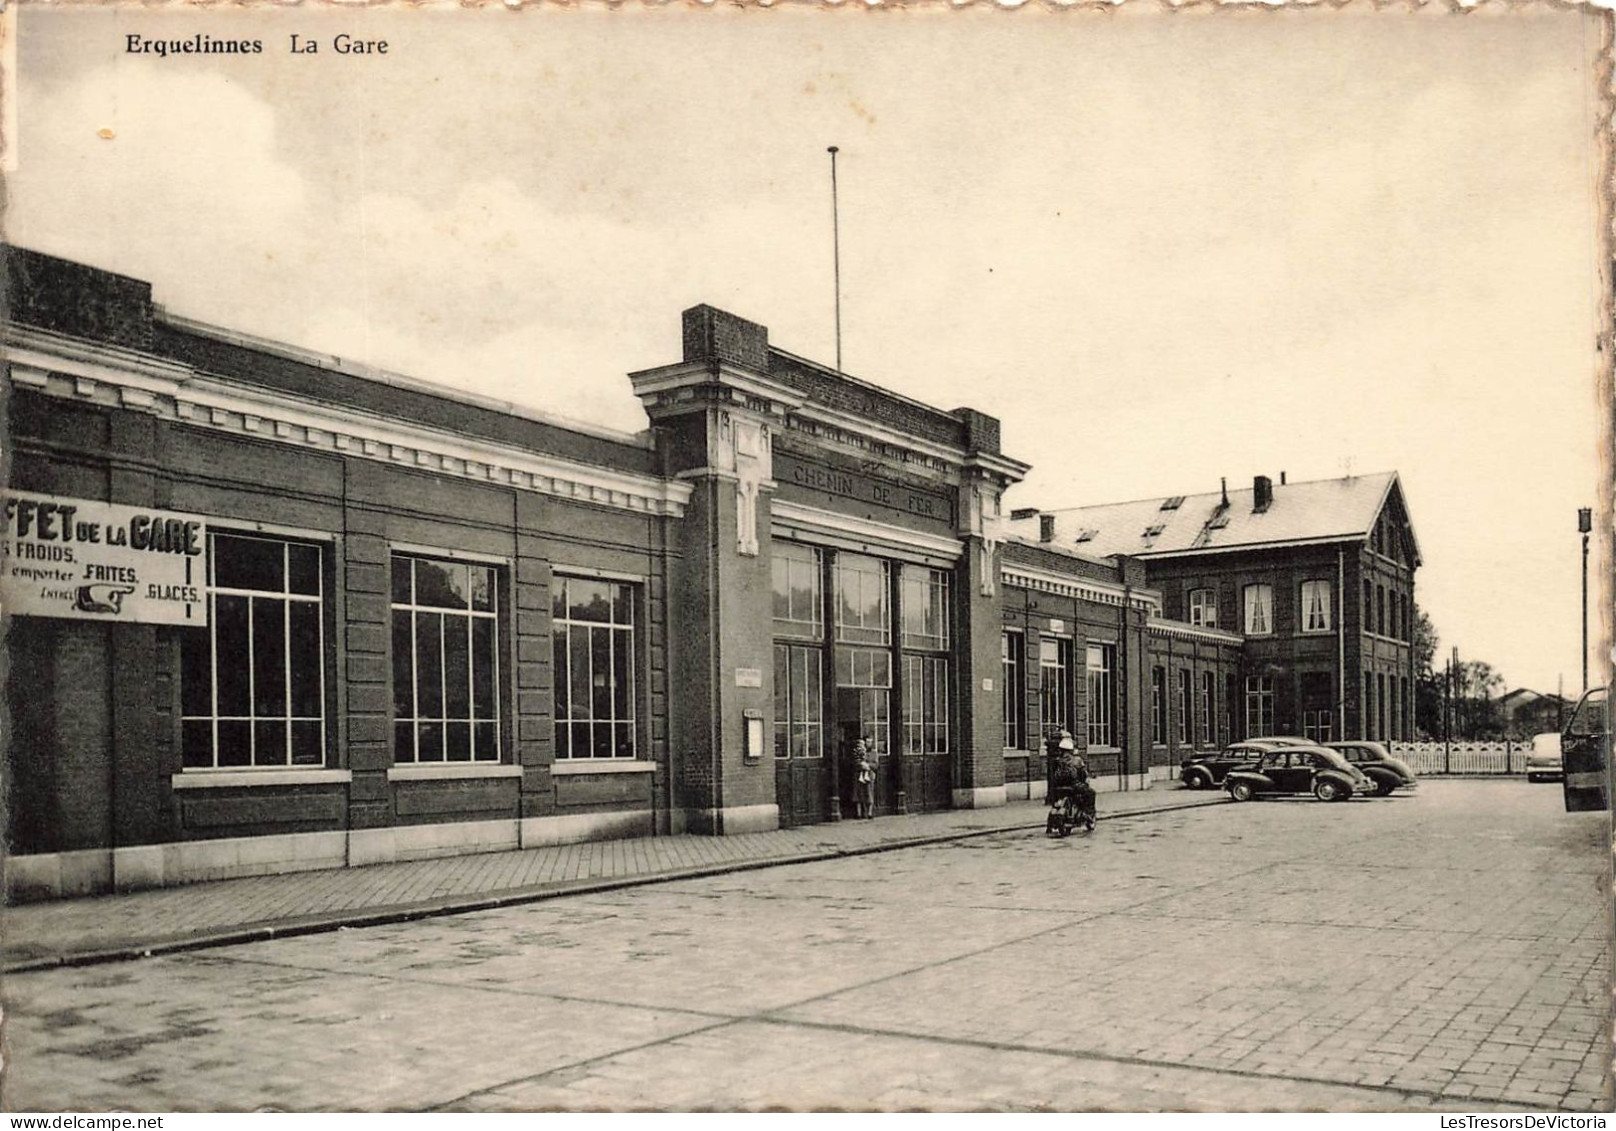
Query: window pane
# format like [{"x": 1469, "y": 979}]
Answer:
[
  {"x": 308, "y": 749},
  {"x": 233, "y": 674},
  {"x": 562, "y": 749},
  {"x": 622, "y": 676},
  {"x": 196, "y": 673},
  {"x": 558, "y": 598},
  {"x": 600, "y": 673},
  {"x": 601, "y": 741},
  {"x": 429, "y": 665},
  {"x": 563, "y": 688},
  {"x": 457, "y": 737},
  {"x": 578, "y": 658},
  {"x": 402, "y": 592},
  {"x": 269, "y": 743},
  {"x": 196, "y": 743},
  {"x": 249, "y": 563},
  {"x": 269, "y": 656},
  {"x": 457, "y": 667},
  {"x": 624, "y": 735},
  {"x": 780, "y": 582},
  {"x": 483, "y": 701},
  {"x": 589, "y": 600},
  {"x": 622, "y": 605},
  {"x": 403, "y": 742},
  {"x": 430, "y": 737},
  {"x": 235, "y": 742},
  {"x": 403, "y": 666},
  {"x": 486, "y": 738},
  {"x": 441, "y": 585},
  {"x": 305, "y": 658},
  {"x": 303, "y": 569},
  {"x": 482, "y": 589},
  {"x": 580, "y": 740}
]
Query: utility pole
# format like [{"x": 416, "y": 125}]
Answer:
[
  {"x": 1585, "y": 525},
  {"x": 836, "y": 253}
]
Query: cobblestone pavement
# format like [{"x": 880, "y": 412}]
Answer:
[
  {"x": 1447, "y": 949},
  {"x": 228, "y": 911}
]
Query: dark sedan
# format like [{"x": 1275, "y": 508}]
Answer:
[
  {"x": 1298, "y": 769},
  {"x": 1203, "y": 771},
  {"x": 1386, "y": 772}
]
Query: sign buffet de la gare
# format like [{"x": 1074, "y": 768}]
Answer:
[{"x": 102, "y": 561}]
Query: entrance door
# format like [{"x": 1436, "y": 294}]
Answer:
[
  {"x": 927, "y": 761},
  {"x": 865, "y": 712},
  {"x": 802, "y": 780}
]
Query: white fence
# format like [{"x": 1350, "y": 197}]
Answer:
[{"x": 1463, "y": 757}]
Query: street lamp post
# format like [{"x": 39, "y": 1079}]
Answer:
[{"x": 1585, "y": 525}]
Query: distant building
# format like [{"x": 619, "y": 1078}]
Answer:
[
  {"x": 1316, "y": 577},
  {"x": 1524, "y": 712}
]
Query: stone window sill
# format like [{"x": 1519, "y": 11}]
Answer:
[
  {"x": 586, "y": 766},
  {"x": 440, "y": 771},
  {"x": 232, "y": 779}
]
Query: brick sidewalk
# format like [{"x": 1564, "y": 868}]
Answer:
[{"x": 113, "y": 927}]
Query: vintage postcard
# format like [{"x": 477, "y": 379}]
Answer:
[{"x": 795, "y": 558}]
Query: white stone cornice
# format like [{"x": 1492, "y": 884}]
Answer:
[
  {"x": 1160, "y": 626},
  {"x": 33, "y": 353},
  {"x": 795, "y": 520},
  {"x": 1087, "y": 589},
  {"x": 182, "y": 394},
  {"x": 654, "y": 386},
  {"x": 1000, "y": 466}
]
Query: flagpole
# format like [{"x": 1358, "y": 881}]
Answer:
[{"x": 836, "y": 254}]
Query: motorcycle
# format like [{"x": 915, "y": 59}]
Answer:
[{"x": 1070, "y": 808}]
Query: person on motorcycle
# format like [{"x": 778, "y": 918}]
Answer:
[{"x": 1069, "y": 777}]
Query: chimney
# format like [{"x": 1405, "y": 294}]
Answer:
[
  {"x": 1046, "y": 528},
  {"x": 1021, "y": 514},
  {"x": 1225, "y": 481},
  {"x": 1262, "y": 493},
  {"x": 1282, "y": 479}
]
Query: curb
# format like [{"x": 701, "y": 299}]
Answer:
[{"x": 512, "y": 897}]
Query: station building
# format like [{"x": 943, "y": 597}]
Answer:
[{"x": 270, "y": 611}]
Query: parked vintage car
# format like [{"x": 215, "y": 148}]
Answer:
[
  {"x": 1298, "y": 769},
  {"x": 1379, "y": 765},
  {"x": 1543, "y": 759},
  {"x": 1203, "y": 771}
]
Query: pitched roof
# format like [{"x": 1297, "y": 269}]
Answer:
[{"x": 1321, "y": 510}]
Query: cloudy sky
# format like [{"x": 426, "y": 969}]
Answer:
[{"x": 1162, "y": 247}]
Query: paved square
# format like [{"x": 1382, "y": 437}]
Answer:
[{"x": 1444, "y": 949}]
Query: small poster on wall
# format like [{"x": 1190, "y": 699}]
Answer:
[{"x": 77, "y": 558}]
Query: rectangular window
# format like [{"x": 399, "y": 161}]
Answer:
[
  {"x": 1259, "y": 610},
  {"x": 863, "y": 600},
  {"x": 869, "y": 671},
  {"x": 1208, "y": 694},
  {"x": 445, "y": 660},
  {"x": 1316, "y": 725},
  {"x": 1182, "y": 709},
  {"x": 799, "y": 607},
  {"x": 1380, "y": 610},
  {"x": 1315, "y": 606},
  {"x": 1158, "y": 706},
  {"x": 799, "y": 715},
  {"x": 925, "y": 608},
  {"x": 1259, "y": 705},
  {"x": 925, "y": 705},
  {"x": 594, "y": 669},
  {"x": 1054, "y": 688},
  {"x": 252, "y": 683},
  {"x": 1101, "y": 664},
  {"x": 1013, "y": 693},
  {"x": 1203, "y": 608}
]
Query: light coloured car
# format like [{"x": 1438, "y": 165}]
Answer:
[{"x": 1543, "y": 759}]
